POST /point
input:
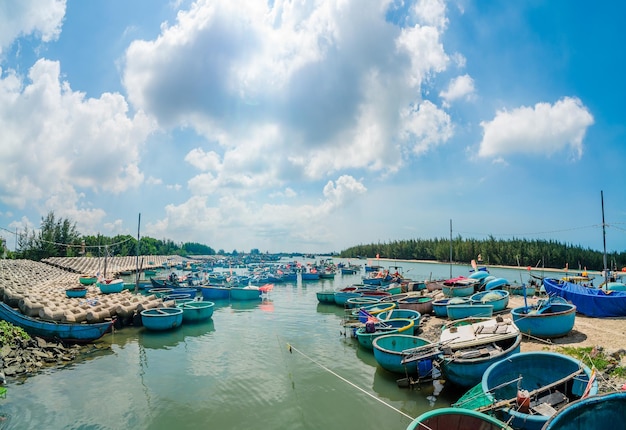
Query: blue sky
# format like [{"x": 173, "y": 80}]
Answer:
[{"x": 314, "y": 126}]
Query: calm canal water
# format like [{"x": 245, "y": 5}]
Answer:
[{"x": 235, "y": 371}]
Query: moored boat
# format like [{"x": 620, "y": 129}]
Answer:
[
  {"x": 499, "y": 299},
  {"x": 459, "y": 287},
  {"x": 369, "y": 332},
  {"x": 215, "y": 292},
  {"x": 196, "y": 310},
  {"x": 402, "y": 313},
  {"x": 245, "y": 293},
  {"x": 456, "y": 418},
  {"x": 76, "y": 292},
  {"x": 67, "y": 332},
  {"x": 469, "y": 310},
  {"x": 593, "y": 302},
  {"x": 325, "y": 296},
  {"x": 603, "y": 411},
  {"x": 530, "y": 387},
  {"x": 421, "y": 304},
  {"x": 547, "y": 320},
  {"x": 111, "y": 286},
  {"x": 160, "y": 319},
  {"x": 391, "y": 350},
  {"x": 473, "y": 344},
  {"x": 440, "y": 306},
  {"x": 87, "y": 280}
]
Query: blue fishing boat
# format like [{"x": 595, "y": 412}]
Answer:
[
  {"x": 468, "y": 310},
  {"x": 342, "y": 295},
  {"x": 160, "y": 319},
  {"x": 67, "y": 332},
  {"x": 111, "y": 286},
  {"x": 440, "y": 306},
  {"x": 196, "y": 310},
  {"x": 456, "y": 418},
  {"x": 499, "y": 299},
  {"x": 215, "y": 292},
  {"x": 372, "y": 309},
  {"x": 161, "y": 291},
  {"x": 76, "y": 292},
  {"x": 460, "y": 287},
  {"x": 391, "y": 350},
  {"x": 360, "y": 301},
  {"x": 593, "y": 302},
  {"x": 245, "y": 293},
  {"x": 325, "y": 296},
  {"x": 474, "y": 344},
  {"x": 497, "y": 283},
  {"x": 603, "y": 411},
  {"x": 190, "y": 292},
  {"x": 530, "y": 387},
  {"x": 402, "y": 313},
  {"x": 372, "y": 330},
  {"x": 547, "y": 320}
]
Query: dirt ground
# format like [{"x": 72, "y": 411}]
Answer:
[{"x": 604, "y": 334}]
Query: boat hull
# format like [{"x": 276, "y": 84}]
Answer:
[
  {"x": 390, "y": 351},
  {"x": 68, "y": 332},
  {"x": 536, "y": 369},
  {"x": 423, "y": 305},
  {"x": 469, "y": 310},
  {"x": 325, "y": 296},
  {"x": 499, "y": 299},
  {"x": 602, "y": 412},
  {"x": 456, "y": 418},
  {"x": 215, "y": 292},
  {"x": 592, "y": 302},
  {"x": 558, "y": 321},
  {"x": 196, "y": 311},
  {"x": 161, "y": 319},
  {"x": 245, "y": 294},
  {"x": 111, "y": 287},
  {"x": 395, "y": 326}
]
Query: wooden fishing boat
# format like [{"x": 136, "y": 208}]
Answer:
[
  {"x": 402, "y": 313},
  {"x": 160, "y": 319},
  {"x": 76, "y": 292},
  {"x": 473, "y": 344},
  {"x": 369, "y": 332},
  {"x": 245, "y": 293},
  {"x": 196, "y": 310},
  {"x": 499, "y": 299},
  {"x": 67, "y": 332},
  {"x": 456, "y": 418},
  {"x": 603, "y": 411},
  {"x": 547, "y": 320},
  {"x": 593, "y": 302},
  {"x": 528, "y": 388},
  {"x": 468, "y": 310},
  {"x": 111, "y": 286},
  {"x": 391, "y": 350}
]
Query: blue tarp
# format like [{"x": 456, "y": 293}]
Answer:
[{"x": 593, "y": 302}]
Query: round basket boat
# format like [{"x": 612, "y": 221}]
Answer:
[
  {"x": 160, "y": 319},
  {"x": 76, "y": 292},
  {"x": 87, "y": 280}
]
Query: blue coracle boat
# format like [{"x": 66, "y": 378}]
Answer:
[
  {"x": 391, "y": 350},
  {"x": 533, "y": 386},
  {"x": 196, "y": 310},
  {"x": 160, "y": 319},
  {"x": 456, "y": 418},
  {"x": 469, "y": 310},
  {"x": 605, "y": 411},
  {"x": 215, "y": 292},
  {"x": 68, "y": 332},
  {"x": 470, "y": 346},
  {"x": 499, "y": 299},
  {"x": 547, "y": 320},
  {"x": 403, "y": 313}
]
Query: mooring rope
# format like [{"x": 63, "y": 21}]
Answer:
[{"x": 292, "y": 348}]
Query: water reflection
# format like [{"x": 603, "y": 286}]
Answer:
[{"x": 171, "y": 338}]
